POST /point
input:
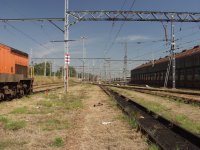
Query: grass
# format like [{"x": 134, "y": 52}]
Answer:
[
  {"x": 12, "y": 125},
  {"x": 57, "y": 142},
  {"x": 3, "y": 119},
  {"x": 187, "y": 123},
  {"x": 43, "y": 80},
  {"x": 15, "y": 125},
  {"x": 112, "y": 103},
  {"x": 20, "y": 110},
  {"x": 54, "y": 124},
  {"x": 130, "y": 120},
  {"x": 67, "y": 102},
  {"x": 154, "y": 147},
  {"x": 10, "y": 143}
]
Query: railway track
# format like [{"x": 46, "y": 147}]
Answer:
[
  {"x": 188, "y": 97},
  {"x": 163, "y": 132},
  {"x": 47, "y": 87}
]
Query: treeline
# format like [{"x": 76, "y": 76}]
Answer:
[{"x": 39, "y": 69}]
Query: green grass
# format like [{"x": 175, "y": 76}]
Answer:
[
  {"x": 154, "y": 147},
  {"x": 15, "y": 125},
  {"x": 20, "y": 110},
  {"x": 12, "y": 125},
  {"x": 57, "y": 142},
  {"x": 5, "y": 144},
  {"x": 3, "y": 119},
  {"x": 187, "y": 123},
  {"x": 64, "y": 101},
  {"x": 112, "y": 102},
  {"x": 130, "y": 120},
  {"x": 54, "y": 124},
  {"x": 45, "y": 103}
]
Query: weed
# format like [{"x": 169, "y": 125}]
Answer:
[
  {"x": 10, "y": 143},
  {"x": 45, "y": 103},
  {"x": 54, "y": 124},
  {"x": 131, "y": 121},
  {"x": 15, "y": 125},
  {"x": 58, "y": 142},
  {"x": 20, "y": 110},
  {"x": 154, "y": 147},
  {"x": 187, "y": 123},
  {"x": 12, "y": 125},
  {"x": 3, "y": 119}
]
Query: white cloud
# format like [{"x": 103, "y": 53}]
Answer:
[
  {"x": 131, "y": 38},
  {"x": 48, "y": 49}
]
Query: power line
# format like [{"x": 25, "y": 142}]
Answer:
[
  {"x": 121, "y": 26},
  {"x": 25, "y": 34}
]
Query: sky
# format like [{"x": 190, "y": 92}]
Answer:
[{"x": 34, "y": 37}]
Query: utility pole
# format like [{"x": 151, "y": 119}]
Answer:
[
  {"x": 83, "y": 43},
  {"x": 125, "y": 62},
  {"x": 45, "y": 68},
  {"x": 50, "y": 68},
  {"x": 172, "y": 59},
  {"x": 173, "y": 54},
  {"x": 54, "y": 70},
  {"x": 109, "y": 71},
  {"x": 105, "y": 71},
  {"x": 66, "y": 46},
  {"x": 93, "y": 76}
]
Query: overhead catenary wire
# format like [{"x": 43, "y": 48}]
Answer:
[
  {"x": 112, "y": 28},
  {"x": 178, "y": 39},
  {"x": 28, "y": 36},
  {"x": 117, "y": 34}
]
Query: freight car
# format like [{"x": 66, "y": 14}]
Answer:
[
  {"x": 187, "y": 70},
  {"x": 14, "y": 79}
]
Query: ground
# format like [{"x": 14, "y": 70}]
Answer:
[
  {"x": 85, "y": 118},
  {"x": 102, "y": 126}
]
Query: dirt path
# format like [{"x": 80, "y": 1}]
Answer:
[
  {"x": 102, "y": 127},
  {"x": 66, "y": 122}
]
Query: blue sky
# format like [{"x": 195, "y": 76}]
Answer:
[{"x": 99, "y": 35}]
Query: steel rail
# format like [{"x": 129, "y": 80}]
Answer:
[{"x": 154, "y": 91}]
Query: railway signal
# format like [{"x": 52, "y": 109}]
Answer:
[{"x": 67, "y": 58}]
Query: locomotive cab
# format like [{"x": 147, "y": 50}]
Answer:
[{"x": 14, "y": 79}]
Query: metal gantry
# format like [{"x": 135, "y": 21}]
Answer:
[{"x": 133, "y": 16}]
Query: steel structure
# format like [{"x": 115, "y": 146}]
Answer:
[{"x": 133, "y": 16}]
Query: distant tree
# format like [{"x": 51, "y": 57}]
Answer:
[
  {"x": 40, "y": 67},
  {"x": 72, "y": 72}
]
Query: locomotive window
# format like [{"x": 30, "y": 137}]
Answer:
[
  {"x": 189, "y": 74},
  {"x": 197, "y": 74}
]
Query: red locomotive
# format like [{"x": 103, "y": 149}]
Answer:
[
  {"x": 14, "y": 79},
  {"x": 187, "y": 70}
]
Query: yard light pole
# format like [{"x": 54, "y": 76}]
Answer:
[{"x": 83, "y": 43}]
